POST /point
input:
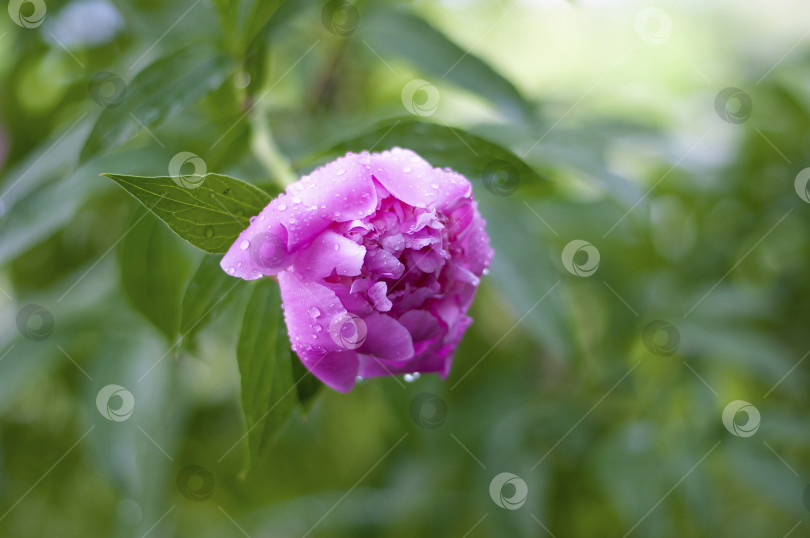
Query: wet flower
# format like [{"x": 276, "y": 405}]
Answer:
[{"x": 378, "y": 257}]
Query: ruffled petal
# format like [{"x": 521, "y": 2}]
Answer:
[
  {"x": 337, "y": 192},
  {"x": 330, "y": 252},
  {"x": 386, "y": 338},
  {"x": 411, "y": 179}
]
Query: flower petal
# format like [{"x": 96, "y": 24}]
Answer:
[
  {"x": 330, "y": 252},
  {"x": 411, "y": 179},
  {"x": 386, "y": 338},
  {"x": 337, "y": 192}
]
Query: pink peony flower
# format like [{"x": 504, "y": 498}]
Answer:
[{"x": 378, "y": 257}]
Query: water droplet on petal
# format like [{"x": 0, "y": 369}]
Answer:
[
  {"x": 407, "y": 169},
  {"x": 410, "y": 378},
  {"x": 341, "y": 172},
  {"x": 314, "y": 312},
  {"x": 231, "y": 270},
  {"x": 282, "y": 207},
  {"x": 244, "y": 244}
]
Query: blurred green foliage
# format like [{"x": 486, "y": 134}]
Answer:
[{"x": 606, "y": 124}]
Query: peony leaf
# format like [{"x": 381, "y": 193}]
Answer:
[
  {"x": 154, "y": 272},
  {"x": 441, "y": 145},
  {"x": 209, "y": 214},
  {"x": 263, "y": 352},
  {"x": 391, "y": 32},
  {"x": 160, "y": 91},
  {"x": 204, "y": 297}
]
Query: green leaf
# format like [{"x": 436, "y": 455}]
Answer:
[
  {"x": 157, "y": 93},
  {"x": 205, "y": 296},
  {"x": 442, "y": 146},
  {"x": 394, "y": 32},
  {"x": 307, "y": 385},
  {"x": 210, "y": 215},
  {"x": 154, "y": 272},
  {"x": 263, "y": 352}
]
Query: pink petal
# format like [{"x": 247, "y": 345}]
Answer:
[
  {"x": 337, "y": 192},
  {"x": 330, "y": 252},
  {"x": 413, "y": 180},
  {"x": 386, "y": 338}
]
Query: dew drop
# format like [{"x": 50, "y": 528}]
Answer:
[
  {"x": 434, "y": 185},
  {"x": 244, "y": 244},
  {"x": 282, "y": 207},
  {"x": 231, "y": 270},
  {"x": 410, "y": 378},
  {"x": 209, "y": 231},
  {"x": 314, "y": 312},
  {"x": 341, "y": 172},
  {"x": 407, "y": 169}
]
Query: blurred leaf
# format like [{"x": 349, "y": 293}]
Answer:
[
  {"x": 307, "y": 384},
  {"x": 210, "y": 214},
  {"x": 204, "y": 297},
  {"x": 154, "y": 271},
  {"x": 38, "y": 213},
  {"x": 397, "y": 33},
  {"x": 157, "y": 93},
  {"x": 263, "y": 352},
  {"x": 443, "y": 146}
]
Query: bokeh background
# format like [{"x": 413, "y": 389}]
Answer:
[{"x": 637, "y": 359}]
